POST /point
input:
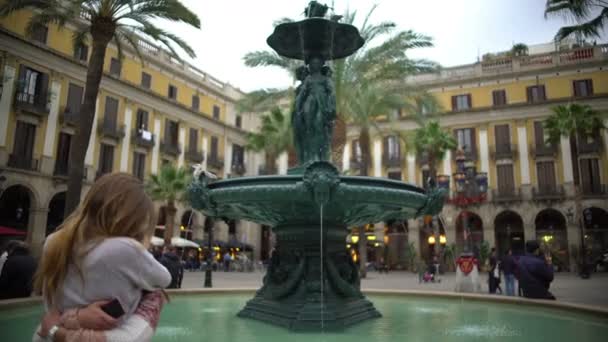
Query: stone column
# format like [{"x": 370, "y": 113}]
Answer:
[
  {"x": 377, "y": 157},
  {"x": 126, "y": 142},
  {"x": 524, "y": 165},
  {"x": 36, "y": 232},
  {"x": 182, "y": 145},
  {"x": 156, "y": 148},
  {"x": 411, "y": 168},
  {"x": 8, "y": 86},
  {"x": 346, "y": 156},
  {"x": 47, "y": 162},
  {"x": 227, "y": 157},
  {"x": 205, "y": 149},
  {"x": 447, "y": 163},
  {"x": 567, "y": 166},
  {"x": 484, "y": 152},
  {"x": 283, "y": 163},
  {"x": 89, "y": 157},
  {"x": 413, "y": 235},
  {"x": 574, "y": 238}
]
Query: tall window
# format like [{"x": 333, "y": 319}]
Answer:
[
  {"x": 33, "y": 87},
  {"x": 195, "y": 102},
  {"x": 146, "y": 80},
  {"x": 499, "y": 97},
  {"x": 466, "y": 140},
  {"x": 238, "y": 155},
  {"x": 81, "y": 52},
  {"x": 239, "y": 121},
  {"x": 193, "y": 141},
  {"x": 583, "y": 88},
  {"x": 106, "y": 159},
  {"x": 590, "y": 175},
  {"x": 214, "y": 147},
  {"x": 114, "y": 67},
  {"x": 111, "y": 114},
  {"x": 63, "y": 154},
  {"x": 171, "y": 132},
  {"x": 506, "y": 183},
  {"x": 74, "y": 102},
  {"x": 461, "y": 102},
  {"x": 40, "y": 33},
  {"x": 23, "y": 147},
  {"x": 392, "y": 147},
  {"x": 139, "y": 165},
  {"x": 172, "y": 93},
  {"x": 216, "y": 112},
  {"x": 546, "y": 176},
  {"x": 503, "y": 138},
  {"x": 142, "y": 120},
  {"x": 539, "y": 135},
  {"x": 536, "y": 94}
]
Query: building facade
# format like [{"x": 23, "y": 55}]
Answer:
[
  {"x": 495, "y": 109},
  {"x": 147, "y": 114}
]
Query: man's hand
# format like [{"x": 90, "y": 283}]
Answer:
[
  {"x": 49, "y": 319},
  {"x": 94, "y": 318}
]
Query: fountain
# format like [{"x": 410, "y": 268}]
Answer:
[{"x": 312, "y": 282}]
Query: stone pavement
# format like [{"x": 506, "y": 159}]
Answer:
[{"x": 566, "y": 287}]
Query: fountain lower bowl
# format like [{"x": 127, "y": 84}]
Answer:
[{"x": 408, "y": 315}]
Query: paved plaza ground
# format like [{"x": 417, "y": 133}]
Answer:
[{"x": 566, "y": 287}]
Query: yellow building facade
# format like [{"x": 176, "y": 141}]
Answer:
[
  {"x": 159, "y": 110},
  {"x": 495, "y": 109}
]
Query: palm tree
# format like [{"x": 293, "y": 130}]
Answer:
[
  {"x": 274, "y": 137},
  {"x": 574, "y": 121},
  {"x": 590, "y": 16},
  {"x": 168, "y": 186},
  {"x": 433, "y": 142},
  {"x": 118, "y": 21},
  {"x": 519, "y": 49}
]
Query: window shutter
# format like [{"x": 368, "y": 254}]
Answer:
[
  {"x": 469, "y": 101},
  {"x": 595, "y": 174},
  {"x": 529, "y": 94},
  {"x": 454, "y": 103},
  {"x": 43, "y": 90},
  {"x": 538, "y": 134},
  {"x": 385, "y": 147},
  {"x": 167, "y": 130},
  {"x": 589, "y": 87},
  {"x": 585, "y": 175},
  {"x": 21, "y": 81},
  {"x": 542, "y": 94},
  {"x": 575, "y": 87},
  {"x": 473, "y": 142}
]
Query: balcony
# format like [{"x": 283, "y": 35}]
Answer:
[
  {"x": 599, "y": 191},
  {"x": 548, "y": 193},
  {"x": 470, "y": 154},
  {"x": 506, "y": 195},
  {"x": 543, "y": 151},
  {"x": 586, "y": 147},
  {"x": 238, "y": 169},
  {"x": 215, "y": 162},
  {"x": 194, "y": 155},
  {"x": 69, "y": 118},
  {"x": 35, "y": 104},
  {"x": 110, "y": 129},
  {"x": 61, "y": 169},
  {"x": 19, "y": 162},
  {"x": 263, "y": 170},
  {"x": 143, "y": 138},
  {"x": 392, "y": 160},
  {"x": 170, "y": 148},
  {"x": 504, "y": 152}
]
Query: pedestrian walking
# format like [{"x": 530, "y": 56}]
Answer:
[
  {"x": 174, "y": 265},
  {"x": 227, "y": 259},
  {"x": 494, "y": 273},
  {"x": 508, "y": 266},
  {"x": 16, "y": 279},
  {"x": 535, "y": 272}
]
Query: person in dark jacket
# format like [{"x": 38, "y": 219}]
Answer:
[
  {"x": 494, "y": 273},
  {"x": 17, "y": 273},
  {"x": 508, "y": 267},
  {"x": 174, "y": 265},
  {"x": 535, "y": 273}
]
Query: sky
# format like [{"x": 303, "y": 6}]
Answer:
[{"x": 462, "y": 30}]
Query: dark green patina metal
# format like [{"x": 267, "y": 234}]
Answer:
[{"x": 308, "y": 287}]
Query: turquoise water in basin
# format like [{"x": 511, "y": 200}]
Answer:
[{"x": 212, "y": 318}]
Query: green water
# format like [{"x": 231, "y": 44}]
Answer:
[{"x": 212, "y": 318}]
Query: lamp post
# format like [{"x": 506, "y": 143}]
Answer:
[{"x": 209, "y": 268}]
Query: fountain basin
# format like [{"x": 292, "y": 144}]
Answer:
[{"x": 409, "y": 315}]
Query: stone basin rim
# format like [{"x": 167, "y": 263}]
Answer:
[{"x": 601, "y": 312}]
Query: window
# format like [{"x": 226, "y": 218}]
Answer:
[
  {"x": 238, "y": 155},
  {"x": 216, "y": 112},
  {"x": 142, "y": 120},
  {"x": 110, "y": 117},
  {"x": 23, "y": 147},
  {"x": 536, "y": 94},
  {"x": 546, "y": 176},
  {"x": 214, "y": 147},
  {"x": 539, "y": 135},
  {"x": 461, "y": 102},
  {"x": 193, "y": 141},
  {"x": 239, "y": 121},
  {"x": 502, "y": 138},
  {"x": 63, "y": 154},
  {"x": 81, "y": 52},
  {"x": 172, "y": 92},
  {"x": 139, "y": 165},
  {"x": 74, "y": 102},
  {"x": 106, "y": 159},
  {"x": 356, "y": 150},
  {"x": 583, "y": 88},
  {"x": 506, "y": 183},
  {"x": 195, "y": 102},
  {"x": 33, "y": 87},
  {"x": 394, "y": 175},
  {"x": 499, "y": 97},
  {"x": 171, "y": 131},
  {"x": 40, "y": 33},
  {"x": 146, "y": 80},
  {"x": 590, "y": 176},
  {"x": 466, "y": 140},
  {"x": 391, "y": 147},
  {"x": 114, "y": 67}
]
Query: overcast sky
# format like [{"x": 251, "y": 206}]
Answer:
[{"x": 462, "y": 30}]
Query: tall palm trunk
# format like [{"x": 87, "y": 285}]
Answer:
[
  {"x": 101, "y": 32},
  {"x": 364, "y": 141},
  {"x": 338, "y": 141},
  {"x": 432, "y": 176},
  {"x": 271, "y": 163},
  {"x": 170, "y": 212},
  {"x": 578, "y": 193}
]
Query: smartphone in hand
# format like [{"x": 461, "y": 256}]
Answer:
[{"x": 113, "y": 308}]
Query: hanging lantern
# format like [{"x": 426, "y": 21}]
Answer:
[
  {"x": 443, "y": 182},
  {"x": 482, "y": 182},
  {"x": 460, "y": 180},
  {"x": 442, "y": 239},
  {"x": 431, "y": 240},
  {"x": 386, "y": 239}
]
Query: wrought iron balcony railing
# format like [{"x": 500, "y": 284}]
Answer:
[
  {"x": 392, "y": 160},
  {"x": 110, "y": 129},
  {"x": 19, "y": 162},
  {"x": 69, "y": 118},
  {"x": 594, "y": 146},
  {"x": 170, "y": 148},
  {"x": 143, "y": 138},
  {"x": 548, "y": 193},
  {"x": 32, "y": 103},
  {"x": 194, "y": 155},
  {"x": 598, "y": 191},
  {"x": 238, "y": 169},
  {"x": 506, "y": 195},
  {"x": 543, "y": 151},
  {"x": 215, "y": 162},
  {"x": 504, "y": 152}
]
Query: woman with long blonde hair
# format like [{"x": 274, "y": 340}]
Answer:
[{"x": 98, "y": 254}]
